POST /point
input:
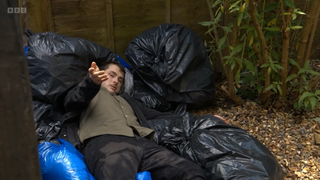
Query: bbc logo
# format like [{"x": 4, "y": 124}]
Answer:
[{"x": 16, "y": 10}]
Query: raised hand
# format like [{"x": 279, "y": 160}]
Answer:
[{"x": 96, "y": 75}]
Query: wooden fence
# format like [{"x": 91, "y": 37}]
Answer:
[{"x": 113, "y": 23}]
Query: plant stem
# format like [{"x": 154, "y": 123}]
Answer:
[
  {"x": 305, "y": 36},
  {"x": 313, "y": 32},
  {"x": 252, "y": 12},
  {"x": 313, "y": 82},
  {"x": 304, "y": 39},
  {"x": 285, "y": 49},
  {"x": 216, "y": 36}
]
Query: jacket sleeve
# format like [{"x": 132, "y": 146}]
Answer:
[{"x": 79, "y": 97}]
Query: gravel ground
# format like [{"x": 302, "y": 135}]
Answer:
[
  {"x": 293, "y": 137},
  {"x": 293, "y": 140}
]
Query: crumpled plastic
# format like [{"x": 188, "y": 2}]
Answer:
[
  {"x": 149, "y": 98},
  {"x": 62, "y": 162},
  {"x": 56, "y": 63},
  {"x": 172, "y": 61},
  {"x": 145, "y": 175},
  {"x": 222, "y": 150},
  {"x": 128, "y": 82},
  {"x": 48, "y": 121}
]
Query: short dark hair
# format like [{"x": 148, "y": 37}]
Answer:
[{"x": 105, "y": 65}]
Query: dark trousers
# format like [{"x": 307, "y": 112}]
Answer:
[{"x": 113, "y": 157}]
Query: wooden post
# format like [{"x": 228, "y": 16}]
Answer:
[
  {"x": 18, "y": 142},
  {"x": 110, "y": 26},
  {"x": 168, "y": 11},
  {"x": 22, "y": 15}
]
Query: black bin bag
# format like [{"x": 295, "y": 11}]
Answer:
[
  {"x": 223, "y": 151},
  {"x": 47, "y": 120},
  {"x": 56, "y": 63},
  {"x": 172, "y": 61},
  {"x": 150, "y": 99}
]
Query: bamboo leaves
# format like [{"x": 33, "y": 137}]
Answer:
[
  {"x": 288, "y": 3},
  {"x": 255, "y": 47}
]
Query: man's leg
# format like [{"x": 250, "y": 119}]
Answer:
[
  {"x": 111, "y": 157},
  {"x": 165, "y": 164}
]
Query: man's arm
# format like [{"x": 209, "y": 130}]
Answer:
[{"x": 80, "y": 95}]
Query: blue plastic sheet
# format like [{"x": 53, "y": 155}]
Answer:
[
  {"x": 145, "y": 175},
  {"x": 26, "y": 49},
  {"x": 123, "y": 62},
  {"x": 62, "y": 162}
]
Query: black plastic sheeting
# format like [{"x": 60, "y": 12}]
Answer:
[
  {"x": 47, "y": 120},
  {"x": 223, "y": 151},
  {"x": 172, "y": 62},
  {"x": 143, "y": 94},
  {"x": 56, "y": 63}
]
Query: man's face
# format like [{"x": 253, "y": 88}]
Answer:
[{"x": 115, "y": 79}]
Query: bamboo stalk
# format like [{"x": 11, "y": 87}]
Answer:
[
  {"x": 304, "y": 39},
  {"x": 231, "y": 80},
  {"x": 216, "y": 37},
  {"x": 227, "y": 68},
  {"x": 313, "y": 82},
  {"x": 285, "y": 50},
  {"x": 265, "y": 95},
  {"x": 313, "y": 32},
  {"x": 305, "y": 36},
  {"x": 257, "y": 51}
]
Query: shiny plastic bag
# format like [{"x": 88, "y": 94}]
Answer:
[
  {"x": 62, "y": 162},
  {"x": 150, "y": 99},
  {"x": 47, "y": 120},
  {"x": 172, "y": 61},
  {"x": 56, "y": 63},
  {"x": 128, "y": 82},
  {"x": 145, "y": 175},
  {"x": 222, "y": 150}
]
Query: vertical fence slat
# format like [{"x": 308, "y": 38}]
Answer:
[
  {"x": 22, "y": 15},
  {"x": 36, "y": 16},
  {"x": 48, "y": 11},
  {"x": 110, "y": 28},
  {"x": 168, "y": 11}
]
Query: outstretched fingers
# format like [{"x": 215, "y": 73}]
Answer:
[{"x": 96, "y": 75}]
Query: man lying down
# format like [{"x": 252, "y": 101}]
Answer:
[{"x": 116, "y": 140}]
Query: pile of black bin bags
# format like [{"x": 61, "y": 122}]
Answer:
[{"x": 56, "y": 63}]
